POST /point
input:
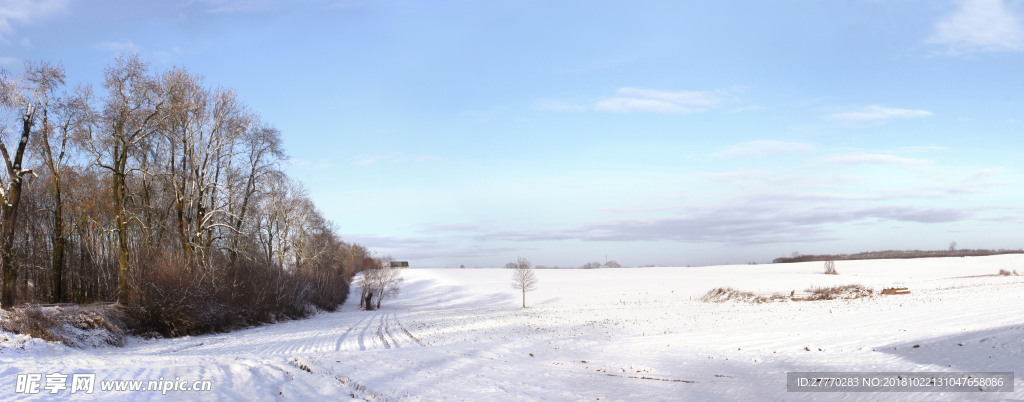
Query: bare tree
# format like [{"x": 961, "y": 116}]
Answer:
[
  {"x": 130, "y": 114},
  {"x": 59, "y": 117},
  {"x": 390, "y": 283},
  {"x": 367, "y": 282},
  {"x": 12, "y": 98},
  {"x": 523, "y": 278},
  {"x": 381, "y": 281},
  {"x": 952, "y": 246}
]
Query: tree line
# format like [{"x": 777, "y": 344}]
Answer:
[
  {"x": 162, "y": 193},
  {"x": 895, "y": 254}
]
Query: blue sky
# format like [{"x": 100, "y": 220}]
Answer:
[{"x": 669, "y": 133}]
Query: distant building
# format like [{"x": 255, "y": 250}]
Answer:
[{"x": 399, "y": 264}]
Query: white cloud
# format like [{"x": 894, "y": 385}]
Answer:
[
  {"x": 764, "y": 148},
  {"x": 652, "y": 100},
  {"x": 748, "y": 109},
  {"x": 235, "y": 6},
  {"x": 859, "y": 158},
  {"x": 979, "y": 26},
  {"x": 877, "y": 114},
  {"x": 9, "y": 61},
  {"x": 119, "y": 47},
  {"x": 25, "y": 11}
]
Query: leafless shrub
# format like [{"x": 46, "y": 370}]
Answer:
[
  {"x": 1003, "y": 272},
  {"x": 830, "y": 268},
  {"x": 71, "y": 325},
  {"x": 612, "y": 264}
]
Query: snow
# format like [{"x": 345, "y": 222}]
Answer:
[{"x": 625, "y": 334}]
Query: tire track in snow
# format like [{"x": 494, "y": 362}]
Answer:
[
  {"x": 388, "y": 334},
  {"x": 362, "y": 335},
  {"x": 407, "y": 333},
  {"x": 341, "y": 339},
  {"x": 380, "y": 331}
]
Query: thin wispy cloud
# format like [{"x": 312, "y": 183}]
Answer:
[
  {"x": 15, "y": 12},
  {"x": 923, "y": 148},
  {"x": 391, "y": 157},
  {"x": 9, "y": 61},
  {"x": 750, "y": 108},
  {"x": 424, "y": 249},
  {"x": 119, "y": 47},
  {"x": 979, "y": 26},
  {"x": 651, "y": 100},
  {"x": 234, "y": 6},
  {"x": 756, "y": 149},
  {"x": 875, "y": 113},
  {"x": 739, "y": 224},
  {"x": 303, "y": 164},
  {"x": 861, "y": 158}
]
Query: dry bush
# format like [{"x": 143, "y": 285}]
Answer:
[
  {"x": 719, "y": 295},
  {"x": 830, "y": 268},
  {"x": 71, "y": 325},
  {"x": 895, "y": 291},
  {"x": 176, "y": 300},
  {"x": 1003, "y": 272},
  {"x": 837, "y": 292}
]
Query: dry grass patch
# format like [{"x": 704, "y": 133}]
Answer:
[
  {"x": 719, "y": 295},
  {"x": 837, "y": 292},
  {"x": 1003, "y": 272},
  {"x": 895, "y": 291},
  {"x": 71, "y": 325}
]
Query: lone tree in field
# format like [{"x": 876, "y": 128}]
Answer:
[
  {"x": 523, "y": 278},
  {"x": 830, "y": 268},
  {"x": 380, "y": 281},
  {"x": 952, "y": 246}
]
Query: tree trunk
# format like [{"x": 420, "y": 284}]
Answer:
[
  {"x": 9, "y": 211},
  {"x": 122, "y": 232},
  {"x": 58, "y": 245},
  {"x": 524, "y": 297}
]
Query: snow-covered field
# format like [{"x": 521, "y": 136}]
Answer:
[{"x": 609, "y": 334}]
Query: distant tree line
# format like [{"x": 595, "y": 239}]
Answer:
[
  {"x": 894, "y": 254},
  {"x": 589, "y": 265},
  {"x": 161, "y": 193}
]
